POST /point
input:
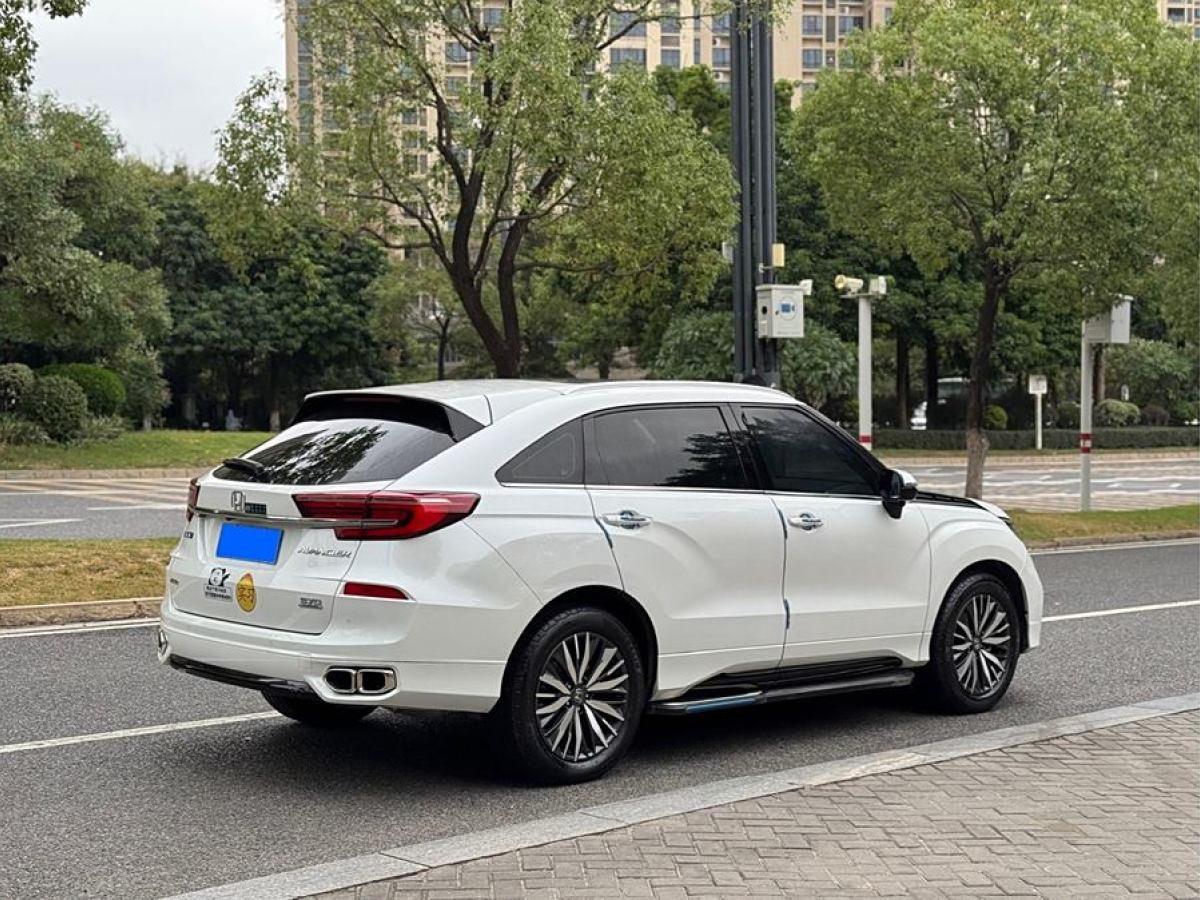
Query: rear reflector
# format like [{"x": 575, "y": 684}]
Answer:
[
  {"x": 193, "y": 499},
  {"x": 386, "y": 515},
  {"x": 382, "y": 591}
]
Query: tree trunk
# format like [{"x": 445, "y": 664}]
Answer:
[
  {"x": 443, "y": 340},
  {"x": 506, "y": 363},
  {"x": 903, "y": 413},
  {"x": 603, "y": 367},
  {"x": 932, "y": 374},
  {"x": 977, "y": 444},
  {"x": 276, "y": 420}
]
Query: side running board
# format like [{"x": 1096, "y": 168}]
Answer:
[{"x": 685, "y": 706}]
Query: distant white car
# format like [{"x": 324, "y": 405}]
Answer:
[{"x": 569, "y": 557}]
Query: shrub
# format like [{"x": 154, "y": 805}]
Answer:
[
  {"x": 1067, "y": 415},
  {"x": 1116, "y": 414},
  {"x": 15, "y": 380},
  {"x": 15, "y": 430},
  {"x": 58, "y": 405},
  {"x": 102, "y": 387},
  {"x": 103, "y": 428},
  {"x": 1155, "y": 415},
  {"x": 1053, "y": 439},
  {"x": 819, "y": 367},
  {"x": 995, "y": 418},
  {"x": 1185, "y": 412},
  {"x": 697, "y": 345},
  {"x": 146, "y": 392}
]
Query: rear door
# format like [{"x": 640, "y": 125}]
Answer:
[
  {"x": 249, "y": 554},
  {"x": 695, "y": 540}
]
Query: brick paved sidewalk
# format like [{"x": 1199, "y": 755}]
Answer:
[{"x": 1107, "y": 813}]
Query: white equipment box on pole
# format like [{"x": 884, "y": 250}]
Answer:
[{"x": 781, "y": 309}]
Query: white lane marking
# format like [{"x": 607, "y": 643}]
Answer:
[
  {"x": 37, "y": 522},
  {"x": 1120, "y": 611},
  {"x": 1104, "y": 548},
  {"x": 80, "y": 628},
  {"x": 134, "y": 732}
]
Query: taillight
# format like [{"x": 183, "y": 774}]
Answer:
[
  {"x": 193, "y": 499},
  {"x": 379, "y": 591},
  {"x": 387, "y": 515}
]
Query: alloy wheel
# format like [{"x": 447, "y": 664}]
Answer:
[
  {"x": 582, "y": 696},
  {"x": 981, "y": 647}
]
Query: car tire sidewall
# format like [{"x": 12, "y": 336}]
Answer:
[
  {"x": 518, "y": 719},
  {"x": 950, "y": 692}
]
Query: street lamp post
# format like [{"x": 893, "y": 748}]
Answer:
[
  {"x": 851, "y": 288},
  {"x": 1111, "y": 327}
]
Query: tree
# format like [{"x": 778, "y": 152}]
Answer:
[
  {"x": 1033, "y": 140},
  {"x": 76, "y": 236},
  {"x": 534, "y": 143},
  {"x": 413, "y": 298},
  {"x": 17, "y": 46}
]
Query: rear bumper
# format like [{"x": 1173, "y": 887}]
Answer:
[
  {"x": 1031, "y": 586},
  {"x": 266, "y": 659}
]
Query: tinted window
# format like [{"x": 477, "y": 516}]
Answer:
[
  {"x": 666, "y": 447},
  {"x": 556, "y": 458},
  {"x": 333, "y": 450},
  {"x": 803, "y": 456}
]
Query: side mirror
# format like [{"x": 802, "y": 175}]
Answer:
[{"x": 898, "y": 488}]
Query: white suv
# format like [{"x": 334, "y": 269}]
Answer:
[{"x": 569, "y": 557}]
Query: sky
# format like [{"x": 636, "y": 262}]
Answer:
[{"x": 166, "y": 71}]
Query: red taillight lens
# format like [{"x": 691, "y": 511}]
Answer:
[
  {"x": 380, "y": 591},
  {"x": 387, "y": 515},
  {"x": 193, "y": 499}
]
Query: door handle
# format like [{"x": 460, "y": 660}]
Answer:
[
  {"x": 806, "y": 522},
  {"x": 627, "y": 518}
]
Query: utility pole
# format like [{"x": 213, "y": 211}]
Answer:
[{"x": 752, "y": 92}]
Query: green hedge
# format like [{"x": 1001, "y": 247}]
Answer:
[
  {"x": 103, "y": 388},
  {"x": 1052, "y": 439}
]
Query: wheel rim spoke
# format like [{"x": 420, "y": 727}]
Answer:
[
  {"x": 981, "y": 646},
  {"x": 581, "y": 702}
]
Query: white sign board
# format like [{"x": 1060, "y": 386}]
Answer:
[
  {"x": 1109, "y": 328},
  {"x": 780, "y": 310},
  {"x": 1037, "y": 384}
]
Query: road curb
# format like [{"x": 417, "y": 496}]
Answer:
[
  {"x": 82, "y": 611},
  {"x": 413, "y": 858},
  {"x": 96, "y": 474},
  {"x": 1113, "y": 539}
]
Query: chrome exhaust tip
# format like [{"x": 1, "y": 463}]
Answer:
[
  {"x": 341, "y": 681},
  {"x": 375, "y": 681},
  {"x": 163, "y": 646}
]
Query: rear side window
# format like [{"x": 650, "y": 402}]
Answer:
[
  {"x": 801, "y": 456},
  {"x": 556, "y": 458},
  {"x": 666, "y": 447},
  {"x": 350, "y": 443}
]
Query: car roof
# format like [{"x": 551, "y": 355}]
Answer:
[{"x": 489, "y": 399}]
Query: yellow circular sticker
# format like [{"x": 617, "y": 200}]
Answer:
[{"x": 245, "y": 593}]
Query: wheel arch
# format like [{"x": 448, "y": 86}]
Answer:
[
  {"x": 1006, "y": 575},
  {"x": 617, "y": 603}
]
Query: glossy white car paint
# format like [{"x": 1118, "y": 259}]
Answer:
[{"x": 724, "y": 579}]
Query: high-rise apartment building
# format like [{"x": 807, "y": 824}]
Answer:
[{"x": 810, "y": 39}]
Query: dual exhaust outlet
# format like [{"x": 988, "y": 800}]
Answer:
[{"x": 368, "y": 682}]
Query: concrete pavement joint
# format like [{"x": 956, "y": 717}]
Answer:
[{"x": 413, "y": 858}]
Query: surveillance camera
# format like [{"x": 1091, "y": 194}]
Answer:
[{"x": 848, "y": 285}]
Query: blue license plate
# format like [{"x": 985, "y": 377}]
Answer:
[{"x": 249, "y": 543}]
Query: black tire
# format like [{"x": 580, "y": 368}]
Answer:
[
  {"x": 316, "y": 712},
  {"x": 579, "y": 738},
  {"x": 968, "y": 638}
]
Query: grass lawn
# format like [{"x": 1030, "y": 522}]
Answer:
[
  {"x": 1049, "y": 526},
  {"x": 48, "y": 571},
  {"x": 165, "y": 449}
]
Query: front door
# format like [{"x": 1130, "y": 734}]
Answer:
[
  {"x": 695, "y": 543},
  {"x": 856, "y": 580}
]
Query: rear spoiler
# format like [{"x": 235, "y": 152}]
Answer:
[{"x": 389, "y": 407}]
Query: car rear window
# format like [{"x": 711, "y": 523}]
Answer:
[{"x": 343, "y": 443}]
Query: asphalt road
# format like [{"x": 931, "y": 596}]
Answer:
[
  {"x": 1054, "y": 483},
  {"x": 157, "y": 814},
  {"x": 132, "y": 508}
]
